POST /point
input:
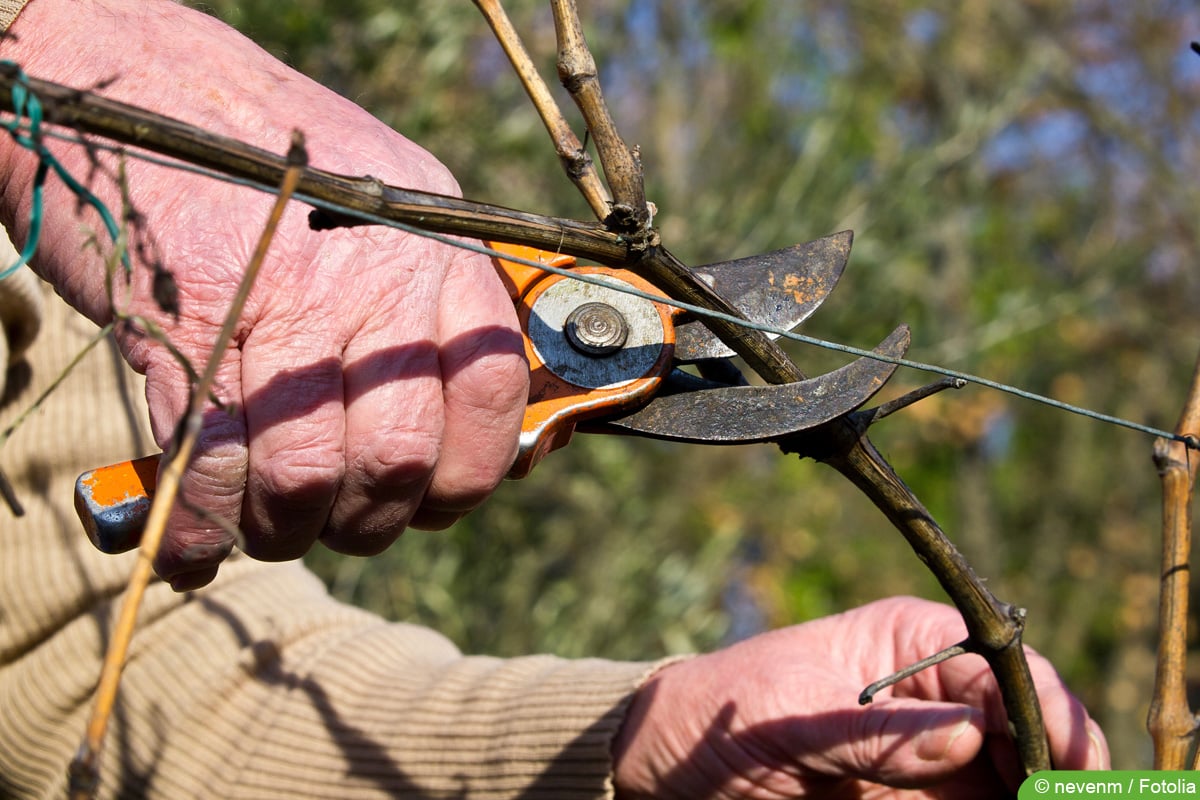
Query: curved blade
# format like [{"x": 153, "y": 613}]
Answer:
[
  {"x": 746, "y": 414},
  {"x": 780, "y": 289}
]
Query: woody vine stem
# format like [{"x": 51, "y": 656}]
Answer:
[
  {"x": 1172, "y": 723},
  {"x": 623, "y": 239},
  {"x": 994, "y": 628}
]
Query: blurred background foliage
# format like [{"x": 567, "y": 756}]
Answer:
[{"x": 1021, "y": 178}]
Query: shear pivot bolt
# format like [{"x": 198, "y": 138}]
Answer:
[{"x": 596, "y": 329}]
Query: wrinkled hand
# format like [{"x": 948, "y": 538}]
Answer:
[
  {"x": 376, "y": 379},
  {"x": 777, "y": 716}
]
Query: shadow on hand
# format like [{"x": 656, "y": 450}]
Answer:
[
  {"x": 293, "y": 394},
  {"x": 724, "y": 763},
  {"x": 419, "y": 359}
]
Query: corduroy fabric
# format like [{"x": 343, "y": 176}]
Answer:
[{"x": 260, "y": 685}]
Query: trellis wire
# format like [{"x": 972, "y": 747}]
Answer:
[{"x": 1190, "y": 441}]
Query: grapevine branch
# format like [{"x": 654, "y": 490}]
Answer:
[
  {"x": 571, "y": 153},
  {"x": 622, "y": 166},
  {"x": 1171, "y": 722},
  {"x": 87, "y": 112},
  {"x": 994, "y": 628},
  {"x": 1172, "y": 725}
]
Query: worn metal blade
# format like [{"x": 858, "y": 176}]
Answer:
[
  {"x": 780, "y": 289},
  {"x": 746, "y": 414}
]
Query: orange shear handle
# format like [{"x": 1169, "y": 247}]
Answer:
[{"x": 113, "y": 501}]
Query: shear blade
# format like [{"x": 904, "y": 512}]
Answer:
[
  {"x": 780, "y": 289},
  {"x": 748, "y": 414}
]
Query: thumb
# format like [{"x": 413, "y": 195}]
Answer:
[{"x": 909, "y": 743}]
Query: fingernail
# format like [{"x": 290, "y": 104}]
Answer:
[
  {"x": 183, "y": 583},
  {"x": 935, "y": 743},
  {"x": 1099, "y": 756},
  {"x": 189, "y": 581}
]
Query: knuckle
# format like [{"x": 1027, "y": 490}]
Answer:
[
  {"x": 470, "y": 491},
  {"x": 213, "y": 482},
  {"x": 435, "y": 520},
  {"x": 488, "y": 370},
  {"x": 401, "y": 460},
  {"x": 299, "y": 470},
  {"x": 471, "y": 484},
  {"x": 295, "y": 479},
  {"x": 497, "y": 383},
  {"x": 362, "y": 544}
]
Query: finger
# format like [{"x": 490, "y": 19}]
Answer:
[
  {"x": 909, "y": 628},
  {"x": 1099, "y": 756},
  {"x": 292, "y": 384},
  {"x": 1076, "y": 741},
  {"x": 485, "y": 384},
  {"x": 393, "y": 402},
  {"x": 920, "y": 628},
  {"x": 904, "y": 743},
  {"x": 196, "y": 539}
]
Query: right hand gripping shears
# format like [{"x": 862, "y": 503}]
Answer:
[{"x": 606, "y": 355}]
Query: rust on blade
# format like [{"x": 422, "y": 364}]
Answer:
[{"x": 780, "y": 289}]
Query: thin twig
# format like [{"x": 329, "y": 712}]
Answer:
[
  {"x": 571, "y": 152},
  {"x": 883, "y": 410},
  {"x": 868, "y": 694},
  {"x": 630, "y": 215},
  {"x": 1171, "y": 723},
  {"x": 84, "y": 771}
]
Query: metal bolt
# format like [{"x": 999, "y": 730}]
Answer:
[{"x": 596, "y": 329}]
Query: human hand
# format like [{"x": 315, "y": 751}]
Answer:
[
  {"x": 376, "y": 379},
  {"x": 777, "y": 716}
]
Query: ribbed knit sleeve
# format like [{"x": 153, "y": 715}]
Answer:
[
  {"x": 259, "y": 685},
  {"x": 8, "y": 12}
]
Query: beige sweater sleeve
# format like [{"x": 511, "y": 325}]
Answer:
[
  {"x": 259, "y": 685},
  {"x": 8, "y": 12}
]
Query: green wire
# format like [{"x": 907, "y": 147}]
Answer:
[{"x": 26, "y": 104}]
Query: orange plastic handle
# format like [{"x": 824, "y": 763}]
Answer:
[
  {"x": 113, "y": 501},
  {"x": 556, "y": 403},
  {"x": 518, "y": 278}
]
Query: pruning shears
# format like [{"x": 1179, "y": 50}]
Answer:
[{"x": 606, "y": 352}]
